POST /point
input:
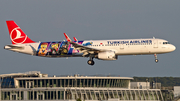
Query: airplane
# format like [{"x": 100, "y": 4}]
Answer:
[{"x": 98, "y": 49}]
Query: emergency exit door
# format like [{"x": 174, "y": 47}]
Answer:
[{"x": 121, "y": 46}]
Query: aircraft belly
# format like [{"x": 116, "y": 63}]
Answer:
[{"x": 59, "y": 56}]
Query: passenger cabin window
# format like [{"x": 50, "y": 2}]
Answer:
[{"x": 166, "y": 43}]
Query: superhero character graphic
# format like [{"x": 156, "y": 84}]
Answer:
[
  {"x": 42, "y": 50},
  {"x": 54, "y": 49},
  {"x": 63, "y": 50}
]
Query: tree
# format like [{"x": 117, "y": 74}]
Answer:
[{"x": 78, "y": 99}]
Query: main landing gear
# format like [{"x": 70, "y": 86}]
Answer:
[
  {"x": 90, "y": 61},
  {"x": 156, "y": 60}
]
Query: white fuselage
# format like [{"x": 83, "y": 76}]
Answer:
[
  {"x": 120, "y": 46},
  {"x": 134, "y": 48}
]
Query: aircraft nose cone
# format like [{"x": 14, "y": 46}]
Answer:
[{"x": 174, "y": 47}]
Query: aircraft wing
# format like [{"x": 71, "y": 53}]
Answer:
[{"x": 86, "y": 50}]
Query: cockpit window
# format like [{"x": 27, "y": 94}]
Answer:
[{"x": 166, "y": 43}]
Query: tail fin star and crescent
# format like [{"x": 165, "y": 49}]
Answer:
[{"x": 17, "y": 36}]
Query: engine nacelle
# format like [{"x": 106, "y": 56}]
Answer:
[{"x": 107, "y": 56}]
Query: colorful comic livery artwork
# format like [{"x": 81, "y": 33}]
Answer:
[
  {"x": 53, "y": 49},
  {"x": 43, "y": 49}
]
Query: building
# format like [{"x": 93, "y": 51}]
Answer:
[
  {"x": 36, "y": 86},
  {"x": 156, "y": 85},
  {"x": 140, "y": 85},
  {"x": 176, "y": 91}
]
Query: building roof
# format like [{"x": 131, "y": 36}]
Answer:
[
  {"x": 85, "y": 77},
  {"x": 21, "y": 74},
  {"x": 39, "y": 75}
]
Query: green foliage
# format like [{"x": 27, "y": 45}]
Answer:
[
  {"x": 165, "y": 81},
  {"x": 78, "y": 99}
]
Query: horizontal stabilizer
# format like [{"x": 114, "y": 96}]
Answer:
[{"x": 13, "y": 47}]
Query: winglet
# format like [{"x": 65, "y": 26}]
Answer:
[
  {"x": 75, "y": 39},
  {"x": 67, "y": 38}
]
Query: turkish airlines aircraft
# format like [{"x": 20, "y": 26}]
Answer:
[{"x": 99, "y": 49}]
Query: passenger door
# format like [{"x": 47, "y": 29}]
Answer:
[{"x": 155, "y": 43}]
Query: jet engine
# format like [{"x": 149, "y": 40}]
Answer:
[{"x": 107, "y": 55}]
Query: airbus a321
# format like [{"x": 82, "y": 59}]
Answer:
[{"x": 99, "y": 49}]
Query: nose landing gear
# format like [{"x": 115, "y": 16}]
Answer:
[{"x": 156, "y": 60}]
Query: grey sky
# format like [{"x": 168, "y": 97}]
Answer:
[{"x": 47, "y": 20}]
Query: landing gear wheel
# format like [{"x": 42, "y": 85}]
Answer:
[
  {"x": 90, "y": 62},
  {"x": 156, "y": 60}
]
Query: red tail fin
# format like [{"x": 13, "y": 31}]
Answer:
[{"x": 17, "y": 36}]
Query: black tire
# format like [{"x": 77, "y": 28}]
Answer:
[
  {"x": 91, "y": 62},
  {"x": 156, "y": 60}
]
